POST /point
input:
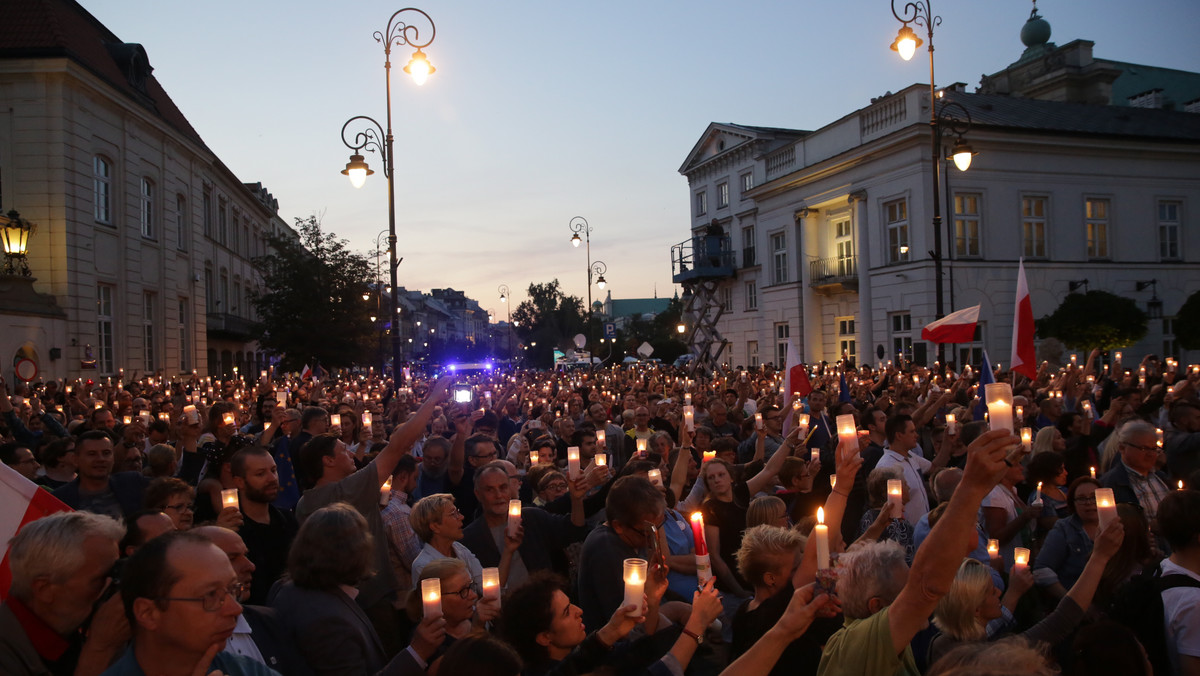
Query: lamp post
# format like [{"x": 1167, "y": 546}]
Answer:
[
  {"x": 506, "y": 298},
  {"x": 920, "y": 13},
  {"x": 15, "y": 232},
  {"x": 595, "y": 269},
  {"x": 373, "y": 138}
]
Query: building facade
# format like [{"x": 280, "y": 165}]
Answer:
[
  {"x": 145, "y": 238},
  {"x": 832, "y": 229}
]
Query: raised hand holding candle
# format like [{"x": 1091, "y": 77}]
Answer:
[
  {"x": 1106, "y": 506},
  {"x": 229, "y": 498},
  {"x": 895, "y": 491},
  {"x": 703, "y": 564},
  {"x": 601, "y": 459},
  {"x": 514, "y": 517},
  {"x": 573, "y": 462},
  {"x": 1020, "y": 557},
  {"x": 821, "y": 531},
  {"x": 385, "y": 492},
  {"x": 847, "y": 430},
  {"x": 1037, "y": 495},
  {"x": 193, "y": 416},
  {"x": 689, "y": 420},
  {"x": 641, "y": 445},
  {"x": 635, "y": 585},
  {"x": 951, "y": 424},
  {"x": 802, "y": 425},
  {"x": 999, "y": 406},
  {"x": 431, "y": 597},
  {"x": 758, "y": 421},
  {"x": 655, "y": 477},
  {"x": 993, "y": 548},
  {"x": 491, "y": 584},
  {"x": 600, "y": 434}
]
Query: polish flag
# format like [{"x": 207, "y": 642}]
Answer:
[
  {"x": 1024, "y": 355},
  {"x": 306, "y": 373},
  {"x": 795, "y": 383},
  {"x": 21, "y": 501},
  {"x": 956, "y": 327}
]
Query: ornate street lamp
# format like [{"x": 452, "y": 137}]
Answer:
[
  {"x": 505, "y": 296},
  {"x": 579, "y": 225},
  {"x": 15, "y": 232},
  {"x": 373, "y": 137}
]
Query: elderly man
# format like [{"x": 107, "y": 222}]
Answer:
[
  {"x": 60, "y": 568},
  {"x": 96, "y": 488},
  {"x": 884, "y": 602},
  {"x": 180, "y": 594},
  {"x": 1135, "y": 479}
]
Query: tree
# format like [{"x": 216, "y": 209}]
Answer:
[
  {"x": 1096, "y": 319},
  {"x": 1187, "y": 323},
  {"x": 312, "y": 309},
  {"x": 660, "y": 332},
  {"x": 549, "y": 318}
]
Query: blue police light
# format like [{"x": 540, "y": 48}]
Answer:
[
  {"x": 454, "y": 368},
  {"x": 488, "y": 365}
]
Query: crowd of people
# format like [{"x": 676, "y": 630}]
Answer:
[{"x": 634, "y": 519}]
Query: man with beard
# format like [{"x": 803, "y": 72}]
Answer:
[
  {"x": 431, "y": 477},
  {"x": 267, "y": 530}
]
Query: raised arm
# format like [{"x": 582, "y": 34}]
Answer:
[
  {"x": 406, "y": 435},
  {"x": 767, "y": 474}
]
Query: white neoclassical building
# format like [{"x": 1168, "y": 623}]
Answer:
[{"x": 1088, "y": 169}]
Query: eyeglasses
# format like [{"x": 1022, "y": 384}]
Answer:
[
  {"x": 455, "y": 514},
  {"x": 493, "y": 454},
  {"x": 1086, "y": 500},
  {"x": 181, "y": 507},
  {"x": 465, "y": 592},
  {"x": 1145, "y": 449},
  {"x": 213, "y": 600}
]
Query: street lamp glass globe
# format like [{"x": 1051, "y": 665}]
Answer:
[
  {"x": 419, "y": 67},
  {"x": 366, "y": 296},
  {"x": 906, "y": 43},
  {"x": 575, "y": 240},
  {"x": 372, "y": 318},
  {"x": 962, "y": 154},
  {"x": 681, "y": 327},
  {"x": 600, "y": 282},
  {"x": 357, "y": 170}
]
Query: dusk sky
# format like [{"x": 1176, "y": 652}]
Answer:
[{"x": 540, "y": 110}]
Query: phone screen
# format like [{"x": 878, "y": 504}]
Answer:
[{"x": 462, "y": 395}]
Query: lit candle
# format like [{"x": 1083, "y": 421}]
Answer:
[
  {"x": 533, "y": 457},
  {"x": 573, "y": 462},
  {"x": 1087, "y": 407},
  {"x": 1074, "y": 359},
  {"x": 281, "y": 397},
  {"x": 687, "y": 398},
  {"x": 1093, "y": 471},
  {"x": 833, "y": 481},
  {"x": 999, "y": 406},
  {"x": 994, "y": 549},
  {"x": 703, "y": 565},
  {"x": 431, "y": 597},
  {"x": 1020, "y": 413},
  {"x": 192, "y": 415},
  {"x": 758, "y": 421},
  {"x": 895, "y": 489},
  {"x": 1158, "y": 437},
  {"x": 600, "y": 434},
  {"x": 847, "y": 430},
  {"x": 228, "y": 419},
  {"x": 689, "y": 421},
  {"x": 99, "y": 405},
  {"x": 1180, "y": 484},
  {"x": 708, "y": 455},
  {"x": 229, "y": 498},
  {"x": 1106, "y": 506},
  {"x": 491, "y": 584},
  {"x": 815, "y": 453},
  {"x": 165, "y": 417},
  {"x": 635, "y": 585},
  {"x": 366, "y": 421},
  {"x": 655, "y": 477},
  {"x": 1037, "y": 494},
  {"x": 385, "y": 492},
  {"x": 601, "y": 459},
  {"x": 951, "y": 424},
  {"x": 514, "y": 517},
  {"x": 802, "y": 424},
  {"x": 641, "y": 445},
  {"x": 821, "y": 531},
  {"x": 1026, "y": 439},
  {"x": 335, "y": 420},
  {"x": 125, "y": 419},
  {"x": 1020, "y": 557}
]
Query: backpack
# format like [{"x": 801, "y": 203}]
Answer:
[{"x": 1138, "y": 605}]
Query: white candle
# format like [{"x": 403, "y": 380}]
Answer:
[
  {"x": 125, "y": 420},
  {"x": 1093, "y": 471},
  {"x": 1020, "y": 557},
  {"x": 641, "y": 445},
  {"x": 1037, "y": 494},
  {"x": 687, "y": 398},
  {"x": 601, "y": 459},
  {"x": 573, "y": 462},
  {"x": 758, "y": 421},
  {"x": 431, "y": 597},
  {"x": 600, "y": 438},
  {"x": 993, "y": 548},
  {"x": 514, "y": 517},
  {"x": 802, "y": 424},
  {"x": 491, "y": 583},
  {"x": 366, "y": 421},
  {"x": 335, "y": 420},
  {"x": 999, "y": 406},
  {"x": 1026, "y": 439},
  {"x": 847, "y": 430},
  {"x": 1020, "y": 413},
  {"x": 1106, "y": 506},
  {"x": 533, "y": 458},
  {"x": 635, "y": 585},
  {"x": 689, "y": 421},
  {"x": 895, "y": 489},
  {"x": 281, "y": 398},
  {"x": 228, "y": 419},
  {"x": 229, "y": 498},
  {"x": 655, "y": 477},
  {"x": 385, "y": 492},
  {"x": 821, "y": 531},
  {"x": 815, "y": 453},
  {"x": 951, "y": 424}
]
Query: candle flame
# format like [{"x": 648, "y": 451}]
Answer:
[
  {"x": 697, "y": 517},
  {"x": 821, "y": 515},
  {"x": 1039, "y": 486},
  {"x": 1181, "y": 484},
  {"x": 433, "y": 596},
  {"x": 634, "y": 578}
]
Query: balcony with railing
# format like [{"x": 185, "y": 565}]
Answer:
[
  {"x": 834, "y": 273},
  {"x": 232, "y": 327},
  {"x": 702, "y": 257}
]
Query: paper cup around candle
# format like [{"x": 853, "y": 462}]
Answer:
[
  {"x": 335, "y": 420},
  {"x": 847, "y": 430},
  {"x": 1106, "y": 506},
  {"x": 993, "y": 548},
  {"x": 951, "y": 424},
  {"x": 127, "y": 420},
  {"x": 895, "y": 492},
  {"x": 758, "y": 421},
  {"x": 999, "y": 405},
  {"x": 281, "y": 398},
  {"x": 366, "y": 420},
  {"x": 635, "y": 585},
  {"x": 228, "y": 419},
  {"x": 533, "y": 458},
  {"x": 655, "y": 477},
  {"x": 600, "y": 436},
  {"x": 431, "y": 597},
  {"x": 689, "y": 418},
  {"x": 514, "y": 517},
  {"x": 1026, "y": 439},
  {"x": 491, "y": 583},
  {"x": 601, "y": 459},
  {"x": 573, "y": 462},
  {"x": 815, "y": 453},
  {"x": 229, "y": 498},
  {"x": 641, "y": 445},
  {"x": 1020, "y": 557},
  {"x": 193, "y": 416}
]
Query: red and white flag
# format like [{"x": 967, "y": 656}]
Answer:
[
  {"x": 795, "y": 383},
  {"x": 21, "y": 501},
  {"x": 956, "y": 327},
  {"x": 306, "y": 373},
  {"x": 1024, "y": 354}
]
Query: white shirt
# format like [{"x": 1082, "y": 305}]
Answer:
[
  {"x": 242, "y": 643},
  {"x": 1181, "y": 613},
  {"x": 914, "y": 465}
]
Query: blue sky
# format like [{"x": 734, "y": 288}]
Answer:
[{"x": 543, "y": 110}]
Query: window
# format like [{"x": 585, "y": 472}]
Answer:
[
  {"x": 901, "y": 335},
  {"x": 146, "y": 208},
  {"x": 701, "y": 203},
  {"x": 148, "y": 331},
  {"x": 1168, "y": 230},
  {"x": 752, "y": 295},
  {"x": 747, "y": 183},
  {"x": 896, "y": 217},
  {"x": 966, "y": 225},
  {"x": 104, "y": 330},
  {"x": 1033, "y": 226},
  {"x": 1097, "y": 227},
  {"x": 185, "y": 347},
  {"x": 722, "y": 195},
  {"x": 223, "y": 299},
  {"x": 847, "y": 338},
  {"x": 233, "y": 234},
  {"x": 752, "y": 354},
  {"x": 102, "y": 189},
  {"x": 779, "y": 269},
  {"x": 247, "y": 246},
  {"x": 843, "y": 243},
  {"x": 727, "y": 298},
  {"x": 237, "y": 298},
  {"x": 210, "y": 292},
  {"x": 782, "y": 331},
  {"x": 748, "y": 247},
  {"x": 222, "y": 220},
  {"x": 972, "y": 353},
  {"x": 182, "y": 221},
  {"x": 1170, "y": 348}
]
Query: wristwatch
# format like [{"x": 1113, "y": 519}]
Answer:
[{"x": 698, "y": 637}]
